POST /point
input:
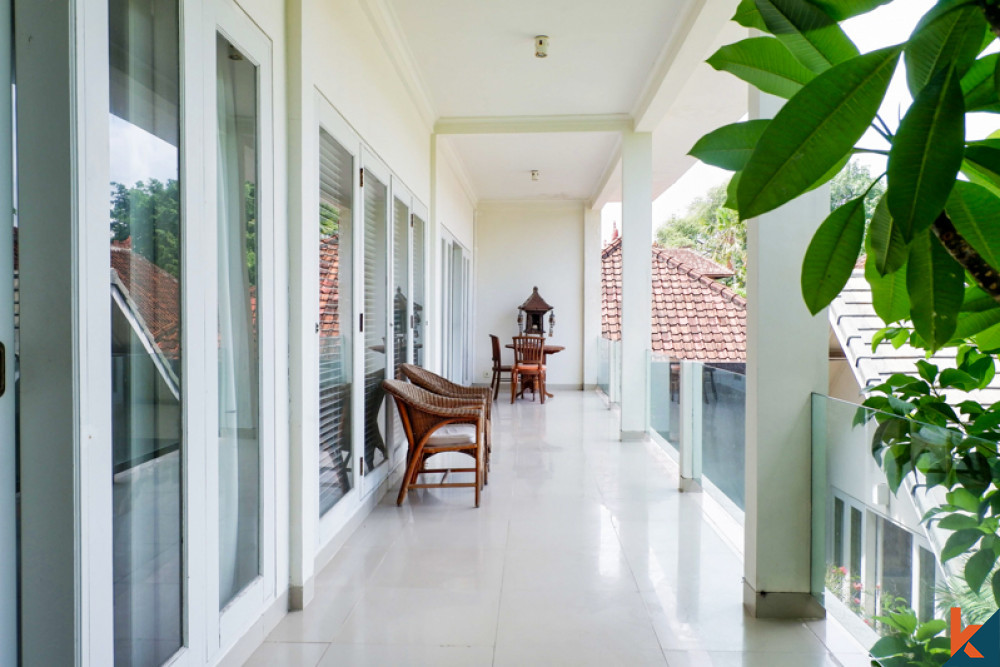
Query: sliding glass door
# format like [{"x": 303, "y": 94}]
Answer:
[
  {"x": 240, "y": 310},
  {"x": 375, "y": 319},
  {"x": 146, "y": 352},
  {"x": 418, "y": 319}
]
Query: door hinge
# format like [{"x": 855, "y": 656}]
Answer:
[
  {"x": 413, "y": 321},
  {"x": 361, "y": 322},
  {"x": 362, "y": 171}
]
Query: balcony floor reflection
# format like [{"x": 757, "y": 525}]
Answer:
[{"x": 583, "y": 553}]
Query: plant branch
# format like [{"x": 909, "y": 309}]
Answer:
[
  {"x": 885, "y": 125},
  {"x": 877, "y": 151},
  {"x": 985, "y": 275}
]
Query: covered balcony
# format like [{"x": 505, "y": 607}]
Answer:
[{"x": 305, "y": 195}]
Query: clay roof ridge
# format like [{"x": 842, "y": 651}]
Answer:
[{"x": 725, "y": 292}]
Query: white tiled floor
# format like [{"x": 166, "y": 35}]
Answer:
[{"x": 582, "y": 553}]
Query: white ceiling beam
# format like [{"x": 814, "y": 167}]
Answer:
[
  {"x": 533, "y": 124},
  {"x": 688, "y": 46},
  {"x": 602, "y": 193}
]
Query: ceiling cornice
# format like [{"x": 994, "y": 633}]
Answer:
[
  {"x": 687, "y": 47},
  {"x": 386, "y": 25},
  {"x": 457, "y": 165},
  {"x": 533, "y": 124}
]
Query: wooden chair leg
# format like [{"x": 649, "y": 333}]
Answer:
[
  {"x": 541, "y": 386},
  {"x": 479, "y": 478},
  {"x": 495, "y": 383},
  {"x": 408, "y": 476},
  {"x": 513, "y": 387}
]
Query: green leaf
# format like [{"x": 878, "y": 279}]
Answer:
[
  {"x": 931, "y": 629},
  {"x": 989, "y": 339},
  {"x": 976, "y": 300},
  {"x": 926, "y": 155},
  {"x": 889, "y": 296},
  {"x": 748, "y": 16},
  {"x": 975, "y": 211},
  {"x": 952, "y": 377},
  {"x": 959, "y": 522},
  {"x": 971, "y": 324},
  {"x": 734, "y": 184},
  {"x": 765, "y": 63},
  {"x": 887, "y": 242},
  {"x": 808, "y": 32},
  {"x": 814, "y": 131},
  {"x": 953, "y": 39},
  {"x": 730, "y": 146},
  {"x": 978, "y": 567},
  {"x": 832, "y": 254},
  {"x": 845, "y": 9},
  {"x": 979, "y": 85},
  {"x": 936, "y": 286},
  {"x": 963, "y": 499},
  {"x": 996, "y": 587},
  {"x": 927, "y": 370},
  {"x": 982, "y": 164},
  {"x": 888, "y": 647},
  {"x": 959, "y": 543}
]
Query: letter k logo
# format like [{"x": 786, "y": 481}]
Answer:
[{"x": 960, "y": 636}]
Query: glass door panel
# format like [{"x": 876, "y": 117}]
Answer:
[
  {"x": 239, "y": 314},
  {"x": 401, "y": 285},
  {"x": 336, "y": 321},
  {"x": 419, "y": 299},
  {"x": 145, "y": 293},
  {"x": 8, "y": 411},
  {"x": 375, "y": 319}
]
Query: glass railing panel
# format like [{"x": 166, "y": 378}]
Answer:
[
  {"x": 723, "y": 431},
  {"x": 873, "y": 552},
  {"x": 664, "y": 398},
  {"x": 616, "y": 372},
  {"x": 604, "y": 365}
]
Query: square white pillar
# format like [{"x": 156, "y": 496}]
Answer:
[
  {"x": 637, "y": 276},
  {"x": 787, "y": 360},
  {"x": 591, "y": 294}
]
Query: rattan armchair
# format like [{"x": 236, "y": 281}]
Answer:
[
  {"x": 435, "y": 383},
  {"x": 436, "y": 424}
]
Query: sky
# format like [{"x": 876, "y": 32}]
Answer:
[{"x": 887, "y": 25}]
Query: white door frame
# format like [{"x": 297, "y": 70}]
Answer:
[
  {"x": 331, "y": 523},
  {"x": 227, "y": 626}
]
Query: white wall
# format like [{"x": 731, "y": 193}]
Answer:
[{"x": 519, "y": 246}]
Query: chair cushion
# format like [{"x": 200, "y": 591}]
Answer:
[
  {"x": 530, "y": 368},
  {"x": 453, "y": 434}
]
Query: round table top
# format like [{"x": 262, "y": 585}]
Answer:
[{"x": 549, "y": 349}]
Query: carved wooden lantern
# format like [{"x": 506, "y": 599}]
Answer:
[{"x": 531, "y": 315}]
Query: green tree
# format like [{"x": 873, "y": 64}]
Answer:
[
  {"x": 148, "y": 213},
  {"x": 933, "y": 246}
]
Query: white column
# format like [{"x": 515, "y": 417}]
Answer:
[
  {"x": 637, "y": 239},
  {"x": 787, "y": 360},
  {"x": 591, "y": 294},
  {"x": 691, "y": 403},
  {"x": 435, "y": 283},
  {"x": 303, "y": 261}
]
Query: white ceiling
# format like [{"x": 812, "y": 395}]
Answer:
[
  {"x": 477, "y": 56},
  {"x": 476, "y": 59},
  {"x": 571, "y": 163}
]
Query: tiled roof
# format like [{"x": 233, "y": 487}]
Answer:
[
  {"x": 329, "y": 287},
  {"x": 855, "y": 323},
  {"x": 694, "y": 316},
  {"x": 156, "y": 295}
]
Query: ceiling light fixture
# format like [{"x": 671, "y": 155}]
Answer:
[
  {"x": 541, "y": 46},
  {"x": 535, "y": 175}
]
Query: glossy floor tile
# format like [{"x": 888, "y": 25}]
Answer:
[{"x": 582, "y": 553}]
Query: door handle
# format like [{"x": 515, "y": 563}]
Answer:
[{"x": 3, "y": 370}]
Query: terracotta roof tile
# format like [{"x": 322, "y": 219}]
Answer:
[{"x": 693, "y": 315}]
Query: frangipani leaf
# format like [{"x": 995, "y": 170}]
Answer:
[
  {"x": 927, "y": 154},
  {"x": 845, "y": 9},
  {"x": 887, "y": 243},
  {"x": 748, "y": 16},
  {"x": 832, "y": 254},
  {"x": 936, "y": 286},
  {"x": 814, "y": 131},
  {"x": 889, "y": 296},
  {"x": 810, "y": 34},
  {"x": 971, "y": 324},
  {"x": 978, "y": 567},
  {"x": 730, "y": 146},
  {"x": 951, "y": 40},
  {"x": 765, "y": 63},
  {"x": 975, "y": 212},
  {"x": 979, "y": 85}
]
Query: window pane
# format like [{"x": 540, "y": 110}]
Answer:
[
  {"x": 419, "y": 298},
  {"x": 897, "y": 566},
  {"x": 838, "y": 532},
  {"x": 928, "y": 582},
  {"x": 239, "y": 313},
  {"x": 145, "y": 294},
  {"x": 400, "y": 273},
  {"x": 376, "y": 267},
  {"x": 336, "y": 199},
  {"x": 857, "y": 542}
]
